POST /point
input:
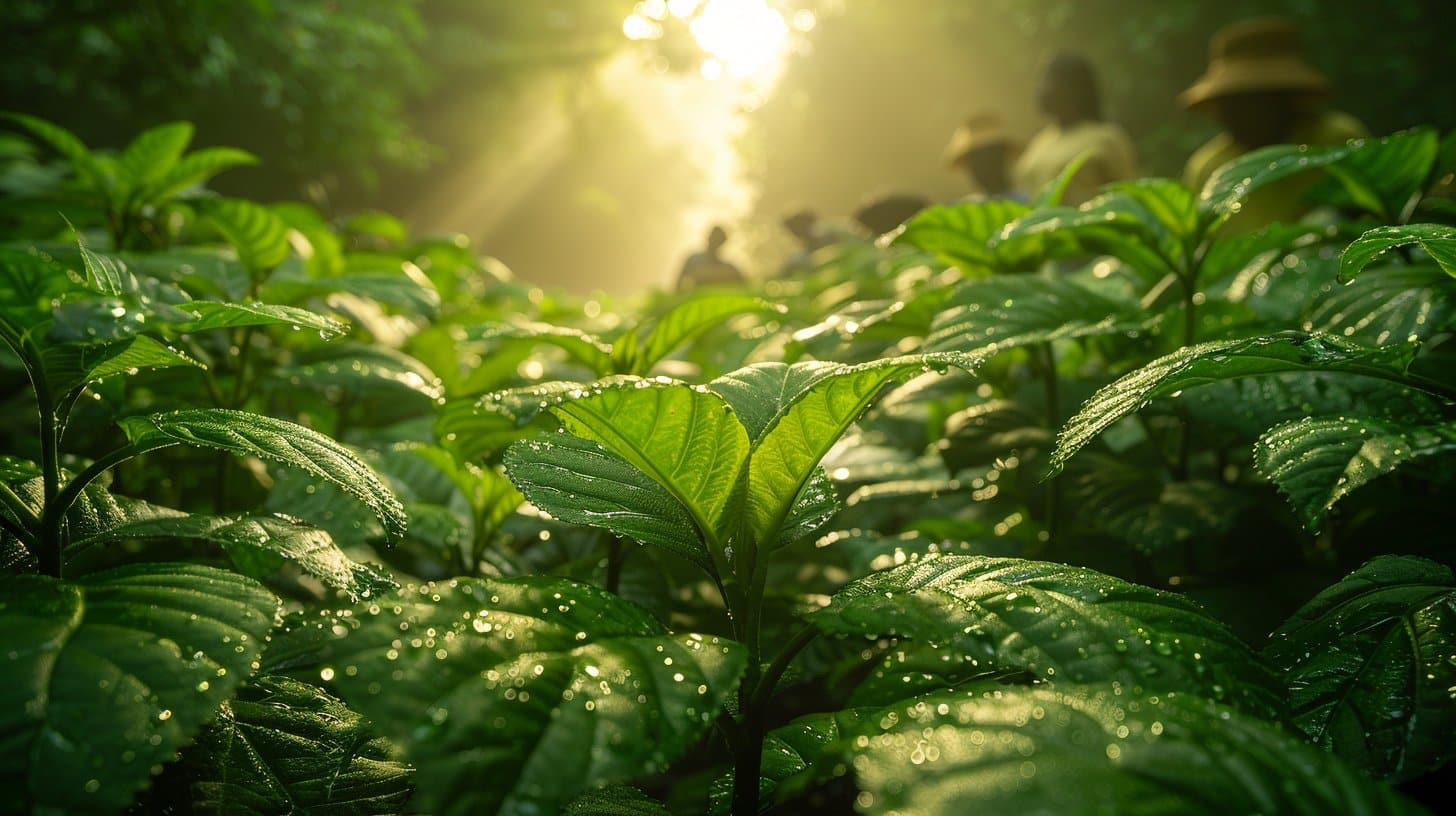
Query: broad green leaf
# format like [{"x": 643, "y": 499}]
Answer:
[
  {"x": 791, "y": 752},
  {"x": 987, "y": 316},
  {"x": 1167, "y": 206},
  {"x": 982, "y": 433},
  {"x": 1436, "y": 240},
  {"x": 403, "y": 288},
  {"x": 1224, "y": 360},
  {"x": 761, "y": 393},
  {"x": 513, "y": 696},
  {"x": 257, "y": 545},
  {"x": 1385, "y": 176},
  {"x": 1370, "y": 663},
  {"x": 579, "y": 482},
  {"x": 362, "y": 372},
  {"x": 1246, "y": 254},
  {"x": 639, "y": 351},
  {"x": 686, "y": 439},
  {"x": 913, "y": 667},
  {"x": 64, "y": 142},
  {"x": 1123, "y": 500},
  {"x": 615, "y": 800},
  {"x": 1318, "y": 461},
  {"x": 590, "y": 351},
  {"x": 1224, "y": 193},
  {"x": 960, "y": 234},
  {"x": 1098, "y": 750},
  {"x": 211, "y": 315},
  {"x": 378, "y": 224},
  {"x": 153, "y": 154},
  {"x": 259, "y": 237},
  {"x": 1400, "y": 303},
  {"x": 283, "y": 746},
  {"x": 275, "y": 440},
  {"x": 810, "y": 422},
  {"x": 1058, "y": 623},
  {"x": 816, "y": 504},
  {"x": 70, "y": 366},
  {"x": 109, "y": 675},
  {"x": 472, "y": 432},
  {"x": 29, "y": 285},
  {"x": 193, "y": 169},
  {"x": 1113, "y": 224}
]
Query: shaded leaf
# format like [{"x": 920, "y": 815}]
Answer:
[
  {"x": 615, "y": 800},
  {"x": 259, "y": 237},
  {"x": 1436, "y": 240},
  {"x": 1405, "y": 303},
  {"x": 682, "y": 323},
  {"x": 960, "y": 234},
  {"x": 195, "y": 168},
  {"x": 153, "y": 153},
  {"x": 1225, "y": 191},
  {"x": 987, "y": 316}
]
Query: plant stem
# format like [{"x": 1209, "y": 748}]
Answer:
[
  {"x": 1190, "y": 335},
  {"x": 780, "y": 664},
  {"x": 54, "y": 516},
  {"x": 616, "y": 554},
  {"x": 1053, "y": 420}
]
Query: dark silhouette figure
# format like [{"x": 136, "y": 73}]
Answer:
[
  {"x": 1068, "y": 95},
  {"x": 707, "y": 267},
  {"x": 981, "y": 149}
]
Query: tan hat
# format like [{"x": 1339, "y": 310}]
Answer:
[
  {"x": 1263, "y": 54},
  {"x": 978, "y": 130}
]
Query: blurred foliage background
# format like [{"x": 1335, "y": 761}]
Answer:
[{"x": 523, "y": 123}]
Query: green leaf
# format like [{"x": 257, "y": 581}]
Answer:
[
  {"x": 1125, "y": 501},
  {"x": 257, "y": 545},
  {"x": 1401, "y": 303},
  {"x": 1098, "y": 750},
  {"x": 1058, "y": 623},
  {"x": 67, "y": 145},
  {"x": 987, "y": 316},
  {"x": 1370, "y": 664},
  {"x": 791, "y": 752},
  {"x": 579, "y": 482},
  {"x": 193, "y": 169},
  {"x": 377, "y": 224},
  {"x": 1386, "y": 176},
  {"x": 1050, "y": 195},
  {"x": 258, "y": 235},
  {"x": 1225, "y": 191},
  {"x": 960, "y": 234},
  {"x": 104, "y": 274},
  {"x": 1319, "y": 460},
  {"x": 515, "y": 695},
  {"x": 810, "y": 420},
  {"x": 70, "y": 366},
  {"x": 283, "y": 746},
  {"x": 616, "y": 800},
  {"x": 639, "y": 351},
  {"x": 1436, "y": 240},
  {"x": 110, "y": 674},
  {"x": 685, "y": 439},
  {"x": 363, "y": 372},
  {"x": 472, "y": 431},
  {"x": 1113, "y": 223},
  {"x": 246, "y": 434},
  {"x": 153, "y": 154},
  {"x": 815, "y": 505},
  {"x": 1223, "y": 360},
  {"x": 587, "y": 349},
  {"x": 211, "y": 315}
]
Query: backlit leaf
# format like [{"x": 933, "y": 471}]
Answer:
[{"x": 1436, "y": 240}]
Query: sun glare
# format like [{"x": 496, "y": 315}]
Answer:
[{"x": 739, "y": 38}]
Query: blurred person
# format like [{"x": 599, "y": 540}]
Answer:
[
  {"x": 807, "y": 229},
  {"x": 1260, "y": 90},
  {"x": 981, "y": 150},
  {"x": 708, "y": 267},
  {"x": 1068, "y": 94},
  {"x": 884, "y": 213}
]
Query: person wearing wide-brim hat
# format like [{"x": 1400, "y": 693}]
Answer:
[
  {"x": 1261, "y": 91},
  {"x": 1068, "y": 94},
  {"x": 981, "y": 149}
]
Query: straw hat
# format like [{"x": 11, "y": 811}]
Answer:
[
  {"x": 1263, "y": 54},
  {"x": 978, "y": 130}
]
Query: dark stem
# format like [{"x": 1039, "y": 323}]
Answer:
[
  {"x": 1053, "y": 420},
  {"x": 616, "y": 554},
  {"x": 780, "y": 664},
  {"x": 53, "y": 518},
  {"x": 1190, "y": 336}
]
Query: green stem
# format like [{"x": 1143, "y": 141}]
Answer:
[
  {"x": 17, "y": 506},
  {"x": 1190, "y": 336},
  {"x": 780, "y": 664},
  {"x": 616, "y": 554},
  {"x": 1053, "y": 420}
]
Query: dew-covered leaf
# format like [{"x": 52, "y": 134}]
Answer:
[
  {"x": 1385, "y": 176},
  {"x": 585, "y": 348},
  {"x": 257, "y": 545},
  {"x": 1370, "y": 663},
  {"x": 258, "y": 235},
  {"x": 516, "y": 694},
  {"x": 615, "y": 800},
  {"x": 792, "y": 754},
  {"x": 1098, "y": 750},
  {"x": 1224, "y": 360},
  {"x": 274, "y": 440},
  {"x": 110, "y": 674},
  {"x": 1399, "y": 304},
  {"x": 1436, "y": 240},
  {"x": 68, "y": 366},
  {"x": 1225, "y": 191},
  {"x": 284, "y": 746},
  {"x": 104, "y": 273},
  {"x": 960, "y": 234},
  {"x": 1058, "y": 623},
  {"x": 361, "y": 372},
  {"x": 995, "y": 314},
  {"x": 1117, "y": 223},
  {"x": 687, "y": 440},
  {"x": 816, "y": 504},
  {"x": 644, "y": 348},
  {"x": 579, "y": 482},
  {"x": 209, "y": 315}
]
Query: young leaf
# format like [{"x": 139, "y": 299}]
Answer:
[
  {"x": 104, "y": 274},
  {"x": 153, "y": 154},
  {"x": 246, "y": 434},
  {"x": 1226, "y": 189},
  {"x": 960, "y": 234},
  {"x": 513, "y": 696},
  {"x": 259, "y": 237},
  {"x": 110, "y": 674},
  {"x": 1319, "y": 460},
  {"x": 70, "y": 366},
  {"x": 987, "y": 316},
  {"x": 257, "y": 545},
  {"x": 809, "y": 422},
  {"x": 1436, "y": 240},
  {"x": 193, "y": 169},
  {"x": 639, "y": 351},
  {"x": 816, "y": 504},
  {"x": 283, "y": 746},
  {"x": 685, "y": 439},
  {"x": 587, "y": 349},
  {"x": 1058, "y": 623},
  {"x": 1098, "y": 749},
  {"x": 209, "y": 315},
  {"x": 362, "y": 372},
  {"x": 1224, "y": 360},
  {"x": 1370, "y": 664},
  {"x": 579, "y": 482}
]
